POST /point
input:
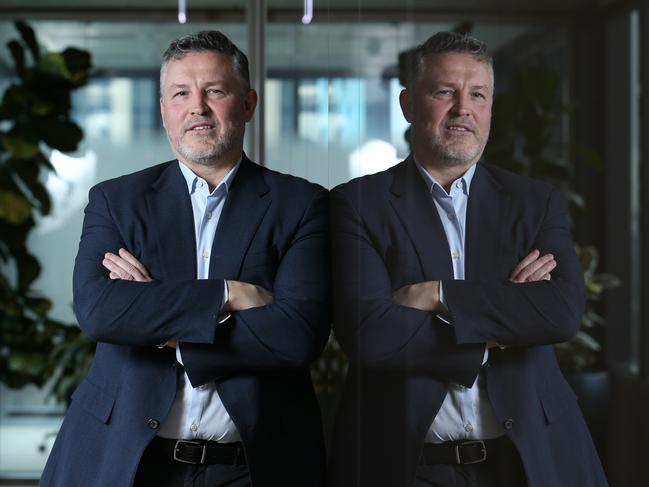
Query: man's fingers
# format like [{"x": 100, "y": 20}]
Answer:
[
  {"x": 542, "y": 271},
  {"x": 128, "y": 257},
  {"x": 116, "y": 272},
  {"x": 123, "y": 269},
  {"x": 529, "y": 258},
  {"x": 534, "y": 270}
]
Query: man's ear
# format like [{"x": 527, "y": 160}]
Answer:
[
  {"x": 405, "y": 100},
  {"x": 249, "y": 104},
  {"x": 162, "y": 113}
]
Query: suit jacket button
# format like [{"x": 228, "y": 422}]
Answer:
[
  {"x": 508, "y": 424},
  {"x": 153, "y": 424}
]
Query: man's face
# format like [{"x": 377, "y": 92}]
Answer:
[
  {"x": 204, "y": 108},
  {"x": 449, "y": 108}
]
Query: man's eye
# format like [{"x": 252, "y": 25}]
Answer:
[
  {"x": 479, "y": 95},
  {"x": 214, "y": 91},
  {"x": 444, "y": 92},
  {"x": 179, "y": 93}
]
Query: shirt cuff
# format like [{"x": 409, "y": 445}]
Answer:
[
  {"x": 226, "y": 295},
  {"x": 443, "y": 301},
  {"x": 485, "y": 357},
  {"x": 179, "y": 357}
]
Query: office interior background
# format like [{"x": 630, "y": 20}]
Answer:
[{"x": 329, "y": 111}]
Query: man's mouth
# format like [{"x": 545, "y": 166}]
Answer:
[
  {"x": 200, "y": 127},
  {"x": 459, "y": 128}
]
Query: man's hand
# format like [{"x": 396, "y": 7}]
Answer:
[
  {"x": 423, "y": 296},
  {"x": 533, "y": 267},
  {"x": 242, "y": 295},
  {"x": 126, "y": 267}
]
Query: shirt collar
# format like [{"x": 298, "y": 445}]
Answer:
[
  {"x": 432, "y": 183},
  {"x": 192, "y": 178}
]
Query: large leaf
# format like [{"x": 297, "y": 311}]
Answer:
[
  {"x": 15, "y": 102},
  {"x": 63, "y": 135},
  {"x": 18, "y": 55},
  {"x": 27, "y": 33},
  {"x": 40, "y": 306},
  {"x": 78, "y": 64},
  {"x": 28, "y": 270},
  {"x": 20, "y": 145},
  {"x": 53, "y": 65},
  {"x": 14, "y": 208},
  {"x": 28, "y": 172}
]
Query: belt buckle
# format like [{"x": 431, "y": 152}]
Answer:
[
  {"x": 190, "y": 442},
  {"x": 469, "y": 443}
]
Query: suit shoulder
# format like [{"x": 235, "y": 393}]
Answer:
[
  {"x": 518, "y": 184},
  {"x": 370, "y": 182},
  {"x": 288, "y": 184}
]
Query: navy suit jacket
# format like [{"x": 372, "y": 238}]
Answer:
[
  {"x": 273, "y": 232},
  {"x": 386, "y": 234}
]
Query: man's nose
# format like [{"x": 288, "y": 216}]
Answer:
[
  {"x": 462, "y": 105},
  {"x": 199, "y": 104}
]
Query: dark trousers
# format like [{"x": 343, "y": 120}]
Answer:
[
  {"x": 502, "y": 468},
  {"x": 156, "y": 470}
]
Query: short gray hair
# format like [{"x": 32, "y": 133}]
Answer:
[
  {"x": 207, "y": 41},
  {"x": 446, "y": 42}
]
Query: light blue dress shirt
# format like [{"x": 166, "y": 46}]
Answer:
[
  {"x": 199, "y": 413},
  {"x": 466, "y": 412}
]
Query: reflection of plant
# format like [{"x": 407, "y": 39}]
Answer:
[
  {"x": 329, "y": 370},
  {"x": 34, "y": 113},
  {"x": 584, "y": 351},
  {"x": 526, "y": 138}
]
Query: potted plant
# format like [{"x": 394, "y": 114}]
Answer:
[{"x": 34, "y": 119}]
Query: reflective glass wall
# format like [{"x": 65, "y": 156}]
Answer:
[{"x": 331, "y": 113}]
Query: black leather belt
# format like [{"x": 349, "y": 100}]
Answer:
[
  {"x": 463, "y": 452},
  {"x": 199, "y": 452}
]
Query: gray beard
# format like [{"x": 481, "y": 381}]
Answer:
[
  {"x": 207, "y": 156},
  {"x": 454, "y": 157}
]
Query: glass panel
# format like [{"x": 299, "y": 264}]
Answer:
[{"x": 332, "y": 94}]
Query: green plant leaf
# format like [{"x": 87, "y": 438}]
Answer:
[
  {"x": 18, "y": 55},
  {"x": 63, "y": 135},
  {"x": 15, "y": 102},
  {"x": 78, "y": 65},
  {"x": 29, "y": 173},
  {"x": 19, "y": 146},
  {"x": 40, "y": 306},
  {"x": 14, "y": 208},
  {"x": 27, "y": 33},
  {"x": 28, "y": 270},
  {"x": 53, "y": 64}
]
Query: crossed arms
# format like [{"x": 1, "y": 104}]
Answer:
[
  {"x": 383, "y": 328},
  {"x": 285, "y": 329}
]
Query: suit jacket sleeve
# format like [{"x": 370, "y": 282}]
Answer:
[
  {"x": 371, "y": 328},
  {"x": 289, "y": 333},
  {"x": 136, "y": 313},
  {"x": 527, "y": 314}
]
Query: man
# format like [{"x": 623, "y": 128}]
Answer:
[
  {"x": 204, "y": 282},
  {"x": 445, "y": 305}
]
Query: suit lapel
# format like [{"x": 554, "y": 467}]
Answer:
[
  {"x": 171, "y": 212},
  {"x": 246, "y": 204},
  {"x": 487, "y": 213},
  {"x": 414, "y": 206}
]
